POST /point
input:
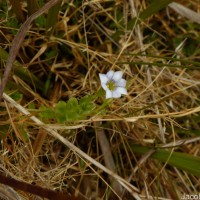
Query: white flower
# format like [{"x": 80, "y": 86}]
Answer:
[{"x": 113, "y": 84}]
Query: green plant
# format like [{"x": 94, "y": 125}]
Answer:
[{"x": 71, "y": 110}]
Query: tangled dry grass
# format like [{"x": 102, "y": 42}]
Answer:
[{"x": 101, "y": 157}]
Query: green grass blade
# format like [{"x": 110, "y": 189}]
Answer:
[
  {"x": 184, "y": 62},
  {"x": 182, "y": 161},
  {"x": 153, "y": 8},
  {"x": 158, "y": 64},
  {"x": 52, "y": 18}
]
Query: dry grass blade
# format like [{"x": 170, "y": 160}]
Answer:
[
  {"x": 41, "y": 136},
  {"x": 108, "y": 158},
  {"x": 19, "y": 39},
  {"x": 7, "y": 193},
  {"x": 132, "y": 189},
  {"x": 185, "y": 12}
]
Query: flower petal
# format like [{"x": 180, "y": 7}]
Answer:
[
  {"x": 116, "y": 94},
  {"x": 110, "y": 74},
  {"x": 121, "y": 90},
  {"x": 117, "y": 76},
  {"x": 108, "y": 94},
  {"x": 121, "y": 83},
  {"x": 104, "y": 86},
  {"x": 103, "y": 78}
]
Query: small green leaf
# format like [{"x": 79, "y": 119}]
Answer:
[
  {"x": 50, "y": 54},
  {"x": 23, "y": 132},
  {"x": 46, "y": 113},
  {"x": 86, "y": 104},
  {"x": 81, "y": 163},
  {"x": 31, "y": 105},
  {"x": 60, "y": 111},
  {"x": 41, "y": 21},
  {"x": 71, "y": 110},
  {"x": 72, "y": 102},
  {"x": 72, "y": 116},
  {"x": 16, "y": 96}
]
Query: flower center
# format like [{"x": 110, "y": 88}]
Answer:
[{"x": 111, "y": 85}]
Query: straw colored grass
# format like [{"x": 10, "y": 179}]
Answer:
[{"x": 126, "y": 148}]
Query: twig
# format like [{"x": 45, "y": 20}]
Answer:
[{"x": 34, "y": 189}]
